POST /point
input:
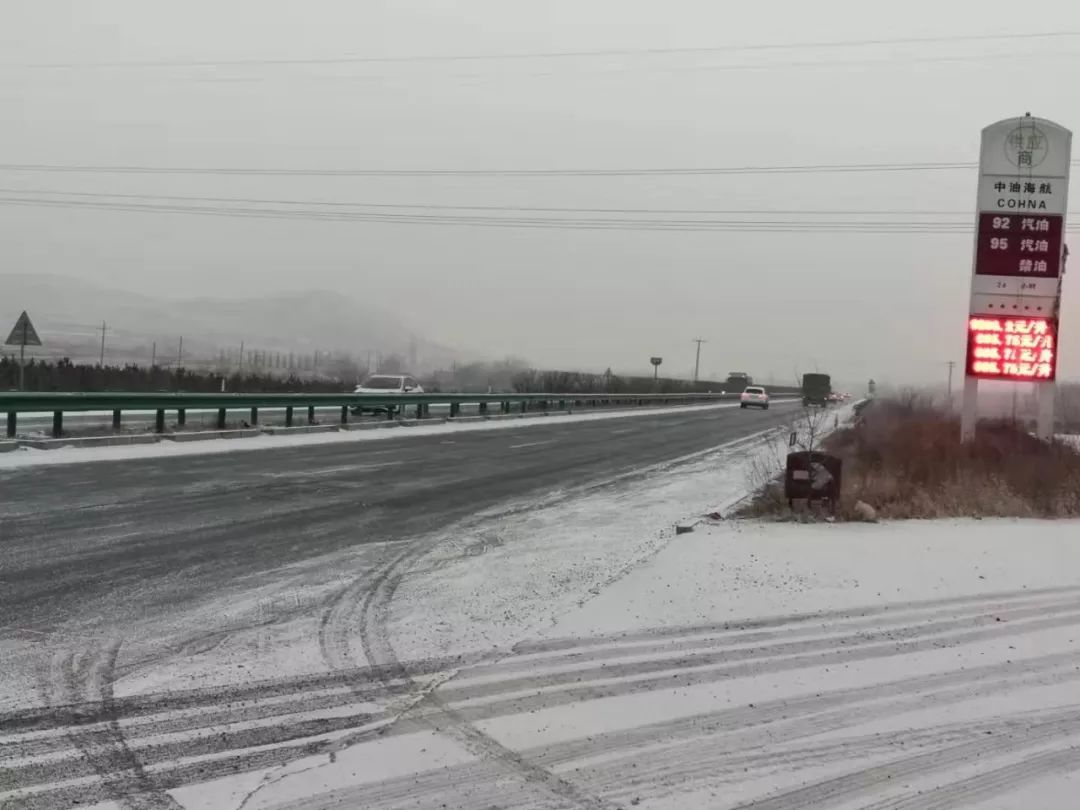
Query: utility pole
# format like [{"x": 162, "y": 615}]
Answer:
[
  {"x": 180, "y": 353},
  {"x": 951, "y": 364},
  {"x": 240, "y": 365},
  {"x": 101, "y": 359},
  {"x": 153, "y": 355},
  {"x": 697, "y": 357}
]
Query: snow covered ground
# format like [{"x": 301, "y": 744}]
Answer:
[{"x": 575, "y": 652}]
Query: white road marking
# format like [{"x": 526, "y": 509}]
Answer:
[{"x": 530, "y": 444}]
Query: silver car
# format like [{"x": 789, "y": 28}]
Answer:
[
  {"x": 754, "y": 396},
  {"x": 386, "y": 385}
]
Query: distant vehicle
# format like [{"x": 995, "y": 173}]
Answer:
[
  {"x": 754, "y": 397},
  {"x": 389, "y": 384},
  {"x": 816, "y": 389},
  {"x": 738, "y": 379},
  {"x": 386, "y": 385}
]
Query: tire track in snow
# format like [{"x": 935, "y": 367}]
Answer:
[
  {"x": 374, "y": 634},
  {"x": 850, "y": 786},
  {"x": 792, "y": 619},
  {"x": 690, "y": 749},
  {"x": 996, "y": 782},
  {"x": 484, "y": 709},
  {"x": 244, "y": 749},
  {"x": 701, "y": 657},
  {"x": 89, "y": 676}
]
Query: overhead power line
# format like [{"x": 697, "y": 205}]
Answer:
[
  {"x": 605, "y": 70},
  {"x": 813, "y": 168},
  {"x": 571, "y": 54},
  {"x": 578, "y": 223},
  {"x": 468, "y": 207}
]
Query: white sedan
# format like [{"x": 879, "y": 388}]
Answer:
[
  {"x": 389, "y": 384},
  {"x": 754, "y": 397},
  {"x": 386, "y": 385}
]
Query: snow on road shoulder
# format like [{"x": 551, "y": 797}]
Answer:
[
  {"x": 520, "y": 567},
  {"x": 169, "y": 449},
  {"x": 737, "y": 569},
  {"x": 524, "y": 564}
]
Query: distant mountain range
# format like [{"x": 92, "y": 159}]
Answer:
[{"x": 68, "y": 314}]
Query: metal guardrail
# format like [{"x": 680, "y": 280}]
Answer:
[{"x": 60, "y": 403}]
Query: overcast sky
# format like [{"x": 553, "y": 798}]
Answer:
[{"x": 768, "y": 300}]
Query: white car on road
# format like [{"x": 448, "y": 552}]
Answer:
[
  {"x": 386, "y": 385},
  {"x": 754, "y": 397},
  {"x": 389, "y": 384}
]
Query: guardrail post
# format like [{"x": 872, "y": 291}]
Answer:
[
  {"x": 12, "y": 419},
  {"x": 506, "y": 407},
  {"x": 221, "y": 419},
  {"x": 159, "y": 420},
  {"x": 562, "y": 404},
  {"x": 311, "y": 414},
  {"x": 181, "y": 416},
  {"x": 455, "y": 409},
  {"x": 524, "y": 405},
  {"x": 288, "y": 416},
  {"x": 58, "y": 424},
  {"x": 116, "y": 419},
  {"x": 482, "y": 409},
  {"x": 390, "y": 413},
  {"x": 254, "y": 417},
  {"x": 344, "y": 414}
]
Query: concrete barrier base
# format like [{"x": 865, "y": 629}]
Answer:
[
  {"x": 88, "y": 441},
  {"x": 369, "y": 425},
  {"x": 203, "y": 435},
  {"x": 7, "y": 447},
  {"x": 531, "y": 414},
  {"x": 280, "y": 430}
]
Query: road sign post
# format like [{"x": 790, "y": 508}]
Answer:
[
  {"x": 656, "y": 361},
  {"x": 1013, "y": 313},
  {"x": 23, "y": 334}
]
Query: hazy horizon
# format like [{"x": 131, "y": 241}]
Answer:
[{"x": 337, "y": 87}]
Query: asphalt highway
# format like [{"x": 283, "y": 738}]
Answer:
[{"x": 125, "y": 538}]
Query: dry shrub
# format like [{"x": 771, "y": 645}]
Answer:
[{"x": 904, "y": 458}]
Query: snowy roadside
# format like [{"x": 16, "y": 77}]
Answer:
[
  {"x": 517, "y": 570},
  {"x": 598, "y": 659},
  {"x": 545, "y": 558},
  {"x": 576, "y": 651}
]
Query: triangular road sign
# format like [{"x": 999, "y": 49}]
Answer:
[{"x": 24, "y": 333}]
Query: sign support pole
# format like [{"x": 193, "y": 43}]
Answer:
[
  {"x": 1046, "y": 393},
  {"x": 969, "y": 409},
  {"x": 23, "y": 334}
]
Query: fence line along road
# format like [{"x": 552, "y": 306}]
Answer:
[{"x": 60, "y": 403}]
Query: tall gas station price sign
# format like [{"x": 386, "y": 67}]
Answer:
[{"x": 1019, "y": 261}]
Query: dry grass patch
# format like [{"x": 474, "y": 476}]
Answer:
[{"x": 905, "y": 459}]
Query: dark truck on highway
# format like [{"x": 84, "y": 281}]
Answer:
[{"x": 816, "y": 389}]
